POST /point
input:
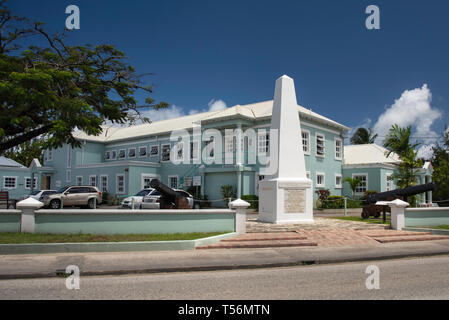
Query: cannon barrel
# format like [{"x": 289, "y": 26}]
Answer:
[
  {"x": 162, "y": 188},
  {"x": 170, "y": 199},
  {"x": 405, "y": 193}
]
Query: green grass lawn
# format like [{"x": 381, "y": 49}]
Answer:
[
  {"x": 6, "y": 238},
  {"x": 370, "y": 220}
]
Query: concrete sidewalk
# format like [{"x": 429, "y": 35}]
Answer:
[{"x": 47, "y": 265}]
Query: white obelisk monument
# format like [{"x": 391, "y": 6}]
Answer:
[{"x": 286, "y": 196}]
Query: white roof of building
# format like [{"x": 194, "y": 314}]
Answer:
[
  {"x": 6, "y": 162},
  {"x": 251, "y": 111},
  {"x": 368, "y": 154}
]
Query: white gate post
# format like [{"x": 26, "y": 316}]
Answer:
[
  {"x": 398, "y": 213},
  {"x": 28, "y": 208},
  {"x": 240, "y": 207}
]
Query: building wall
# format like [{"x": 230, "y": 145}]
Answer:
[
  {"x": 376, "y": 179},
  {"x": 94, "y": 153},
  {"x": 20, "y": 174}
]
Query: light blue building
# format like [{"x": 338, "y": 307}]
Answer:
[
  {"x": 227, "y": 147},
  {"x": 16, "y": 178},
  {"x": 122, "y": 161},
  {"x": 369, "y": 163}
]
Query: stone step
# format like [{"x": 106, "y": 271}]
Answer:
[
  {"x": 391, "y": 233},
  {"x": 266, "y": 237},
  {"x": 259, "y": 244},
  {"x": 425, "y": 237}
]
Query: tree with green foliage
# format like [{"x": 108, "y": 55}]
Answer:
[
  {"x": 25, "y": 152},
  {"x": 48, "y": 92},
  {"x": 363, "y": 136},
  {"x": 440, "y": 176},
  {"x": 353, "y": 183},
  {"x": 398, "y": 141}
]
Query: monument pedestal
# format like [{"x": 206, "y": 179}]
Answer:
[
  {"x": 286, "y": 196},
  {"x": 286, "y": 201}
]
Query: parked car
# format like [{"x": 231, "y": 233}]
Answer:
[
  {"x": 151, "y": 201},
  {"x": 127, "y": 202},
  {"x": 74, "y": 196},
  {"x": 40, "y": 194}
]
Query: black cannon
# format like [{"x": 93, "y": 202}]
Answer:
[
  {"x": 372, "y": 210},
  {"x": 170, "y": 199}
]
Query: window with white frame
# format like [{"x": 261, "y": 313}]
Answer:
[
  {"x": 305, "y": 136},
  {"x": 104, "y": 183},
  {"x": 338, "y": 149},
  {"x": 263, "y": 142},
  {"x": 173, "y": 182},
  {"x": 154, "y": 151},
  {"x": 107, "y": 155},
  {"x": 179, "y": 148},
  {"x": 259, "y": 178},
  {"x": 131, "y": 152},
  {"x": 338, "y": 180},
  {"x": 121, "y": 154},
  {"x": 49, "y": 155},
  {"x": 10, "y": 182},
  {"x": 146, "y": 180},
  {"x": 389, "y": 182},
  {"x": 68, "y": 176},
  {"x": 120, "y": 183},
  {"x": 320, "y": 179},
  {"x": 165, "y": 150},
  {"x": 142, "y": 152},
  {"x": 113, "y": 155},
  {"x": 194, "y": 150},
  {"x": 69, "y": 156},
  {"x": 210, "y": 147},
  {"x": 362, "y": 186},
  {"x": 320, "y": 148},
  {"x": 93, "y": 181},
  {"x": 79, "y": 180},
  {"x": 28, "y": 183},
  {"x": 230, "y": 147}
]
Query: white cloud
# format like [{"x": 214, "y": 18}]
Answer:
[
  {"x": 164, "y": 114},
  {"x": 411, "y": 109},
  {"x": 175, "y": 111},
  {"x": 217, "y": 105},
  {"x": 425, "y": 151}
]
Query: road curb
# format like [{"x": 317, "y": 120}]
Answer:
[{"x": 301, "y": 262}]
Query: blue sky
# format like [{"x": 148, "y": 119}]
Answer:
[{"x": 233, "y": 51}]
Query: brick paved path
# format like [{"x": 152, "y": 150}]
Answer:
[
  {"x": 324, "y": 232},
  {"x": 252, "y": 225}
]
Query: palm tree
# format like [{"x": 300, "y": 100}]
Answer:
[
  {"x": 363, "y": 136},
  {"x": 353, "y": 183},
  {"x": 398, "y": 141}
]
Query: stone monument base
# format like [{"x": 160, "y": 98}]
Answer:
[{"x": 283, "y": 200}]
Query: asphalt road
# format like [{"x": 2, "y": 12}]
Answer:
[{"x": 421, "y": 278}]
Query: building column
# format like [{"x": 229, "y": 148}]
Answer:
[
  {"x": 429, "y": 193},
  {"x": 238, "y": 156},
  {"x": 422, "y": 196}
]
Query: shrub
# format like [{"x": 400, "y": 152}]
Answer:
[
  {"x": 338, "y": 202},
  {"x": 253, "y": 200},
  {"x": 334, "y": 202},
  {"x": 228, "y": 192},
  {"x": 323, "y": 194},
  {"x": 105, "y": 197}
]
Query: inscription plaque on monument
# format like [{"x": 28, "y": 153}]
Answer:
[{"x": 294, "y": 200}]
